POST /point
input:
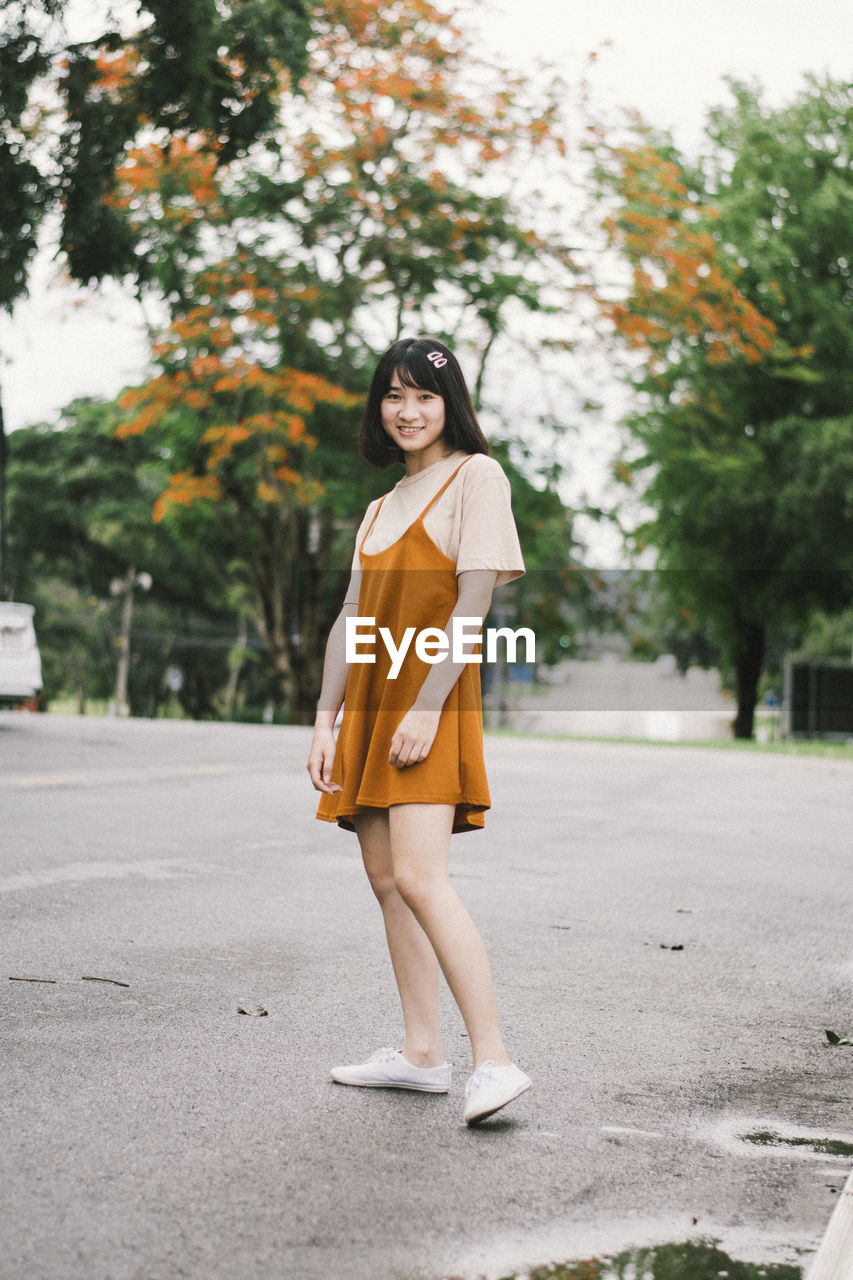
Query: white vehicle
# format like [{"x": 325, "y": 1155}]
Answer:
[{"x": 20, "y": 662}]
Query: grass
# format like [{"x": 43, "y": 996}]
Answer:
[
  {"x": 785, "y": 747},
  {"x": 68, "y": 706},
  {"x": 781, "y": 747}
]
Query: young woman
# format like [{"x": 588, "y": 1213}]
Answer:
[{"x": 407, "y": 767}]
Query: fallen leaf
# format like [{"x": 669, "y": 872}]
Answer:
[
  {"x": 834, "y": 1038},
  {"x": 253, "y": 1013}
]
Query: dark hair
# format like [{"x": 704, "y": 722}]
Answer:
[{"x": 410, "y": 359}]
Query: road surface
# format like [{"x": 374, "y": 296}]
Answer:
[{"x": 670, "y": 934}]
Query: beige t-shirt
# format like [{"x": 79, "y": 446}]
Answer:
[{"x": 471, "y": 522}]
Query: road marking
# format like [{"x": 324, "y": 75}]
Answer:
[
  {"x": 82, "y": 872},
  {"x": 109, "y": 777},
  {"x": 619, "y": 1130},
  {"x": 49, "y": 780}
]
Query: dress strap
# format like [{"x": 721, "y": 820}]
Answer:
[
  {"x": 447, "y": 482},
  {"x": 373, "y": 521}
]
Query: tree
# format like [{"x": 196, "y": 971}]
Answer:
[
  {"x": 69, "y": 110},
  {"x": 739, "y": 299},
  {"x": 238, "y": 428},
  {"x": 557, "y": 597},
  {"x": 376, "y": 195},
  {"x": 375, "y": 209},
  {"x": 80, "y": 504},
  {"x": 829, "y": 636},
  {"x": 198, "y": 68}
]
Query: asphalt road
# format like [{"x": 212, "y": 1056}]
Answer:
[{"x": 152, "y": 1132}]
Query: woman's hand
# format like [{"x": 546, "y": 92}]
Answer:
[
  {"x": 414, "y": 737},
  {"x": 321, "y": 759}
]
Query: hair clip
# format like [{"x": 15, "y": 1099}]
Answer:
[{"x": 437, "y": 359}]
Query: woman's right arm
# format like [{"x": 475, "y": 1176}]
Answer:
[{"x": 335, "y": 671}]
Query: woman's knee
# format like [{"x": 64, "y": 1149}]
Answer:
[
  {"x": 372, "y": 829},
  {"x": 381, "y": 877},
  {"x": 417, "y": 886}
]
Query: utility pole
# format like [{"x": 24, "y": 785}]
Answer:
[
  {"x": 497, "y": 717},
  {"x": 125, "y": 586}
]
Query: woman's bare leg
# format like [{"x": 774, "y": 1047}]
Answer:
[
  {"x": 419, "y": 849},
  {"x": 413, "y": 958}
]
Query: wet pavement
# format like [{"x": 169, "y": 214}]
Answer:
[{"x": 669, "y": 930}]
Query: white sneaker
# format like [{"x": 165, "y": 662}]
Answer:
[
  {"x": 388, "y": 1069},
  {"x": 492, "y": 1087}
]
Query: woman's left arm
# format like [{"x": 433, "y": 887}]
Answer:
[{"x": 416, "y": 731}]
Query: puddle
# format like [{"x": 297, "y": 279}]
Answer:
[
  {"x": 741, "y": 1135},
  {"x": 820, "y": 1146},
  {"x": 613, "y": 1251},
  {"x": 692, "y": 1260}
]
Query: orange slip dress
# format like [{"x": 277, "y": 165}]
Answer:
[{"x": 412, "y": 583}]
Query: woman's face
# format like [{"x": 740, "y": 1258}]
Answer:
[{"x": 414, "y": 420}]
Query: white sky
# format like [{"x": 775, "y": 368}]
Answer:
[{"x": 668, "y": 59}]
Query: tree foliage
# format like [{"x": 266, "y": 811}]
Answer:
[
  {"x": 739, "y": 298},
  {"x": 376, "y": 197},
  {"x": 80, "y": 506},
  {"x": 373, "y": 209},
  {"x": 70, "y": 108},
  {"x": 237, "y": 426}
]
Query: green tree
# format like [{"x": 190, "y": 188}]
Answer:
[
  {"x": 557, "y": 597},
  {"x": 373, "y": 208},
  {"x": 70, "y": 109},
  {"x": 740, "y": 298},
  {"x": 80, "y": 505},
  {"x": 198, "y": 68},
  {"x": 828, "y": 636}
]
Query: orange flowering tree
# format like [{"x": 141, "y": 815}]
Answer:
[
  {"x": 211, "y": 68},
  {"x": 381, "y": 204},
  {"x": 74, "y": 95},
  {"x": 395, "y": 180},
  {"x": 388, "y": 194},
  {"x": 236, "y": 421},
  {"x": 682, "y": 303},
  {"x": 734, "y": 311}
]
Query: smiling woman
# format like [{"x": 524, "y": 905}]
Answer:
[
  {"x": 419, "y": 397},
  {"x": 414, "y": 420},
  {"x": 407, "y": 767}
]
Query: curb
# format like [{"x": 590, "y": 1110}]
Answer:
[{"x": 834, "y": 1258}]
